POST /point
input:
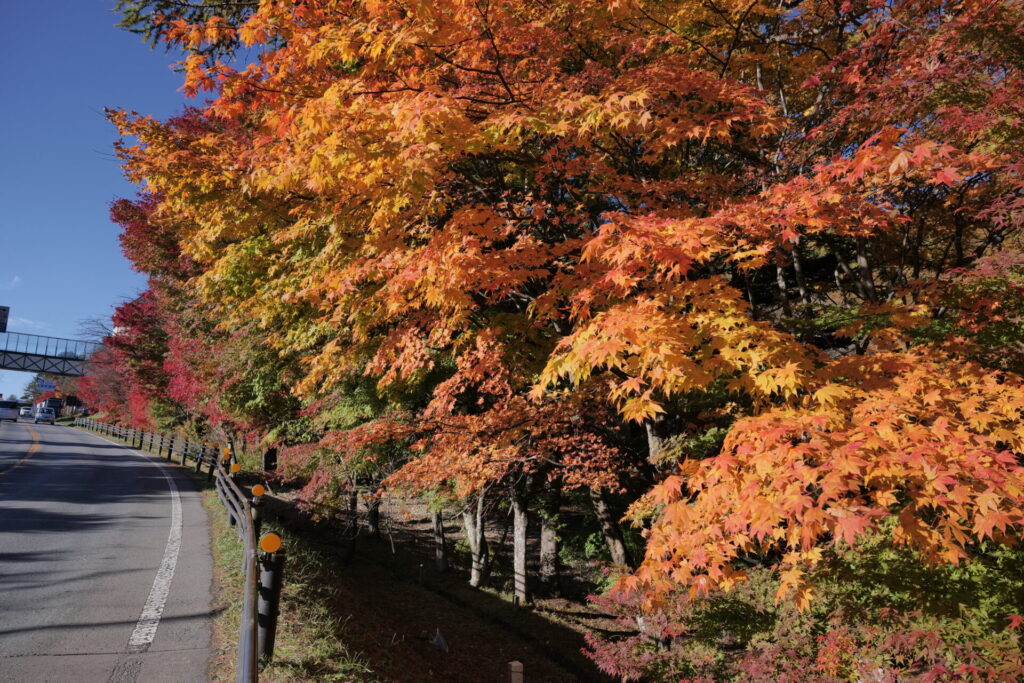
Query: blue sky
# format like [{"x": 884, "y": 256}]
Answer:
[{"x": 63, "y": 62}]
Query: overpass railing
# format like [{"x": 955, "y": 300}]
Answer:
[
  {"x": 52, "y": 355},
  {"x": 257, "y": 625},
  {"x": 53, "y": 347}
]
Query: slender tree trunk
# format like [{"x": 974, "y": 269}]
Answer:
[
  {"x": 801, "y": 283},
  {"x": 750, "y": 296},
  {"x": 655, "y": 441},
  {"x": 849, "y": 274},
  {"x": 864, "y": 269},
  {"x": 373, "y": 516},
  {"x": 549, "y": 517},
  {"x": 520, "y": 526},
  {"x": 353, "y": 522},
  {"x": 473, "y": 520},
  {"x": 780, "y": 281},
  {"x": 440, "y": 547},
  {"x": 610, "y": 528}
]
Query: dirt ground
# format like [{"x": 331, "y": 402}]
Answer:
[{"x": 389, "y": 603}]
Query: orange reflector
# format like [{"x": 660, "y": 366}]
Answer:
[
  {"x": 236, "y": 468},
  {"x": 258, "y": 490},
  {"x": 270, "y": 543}
]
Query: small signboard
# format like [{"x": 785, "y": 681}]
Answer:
[
  {"x": 44, "y": 385},
  {"x": 4, "y": 312}
]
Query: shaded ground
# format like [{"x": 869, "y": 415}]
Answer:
[{"x": 389, "y": 602}]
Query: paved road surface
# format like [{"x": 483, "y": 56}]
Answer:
[{"x": 87, "y": 547}]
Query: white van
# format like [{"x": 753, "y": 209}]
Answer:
[
  {"x": 45, "y": 415},
  {"x": 9, "y": 411}
]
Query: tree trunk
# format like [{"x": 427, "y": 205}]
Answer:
[
  {"x": 520, "y": 525},
  {"x": 780, "y": 280},
  {"x": 610, "y": 528},
  {"x": 655, "y": 440},
  {"x": 373, "y": 516},
  {"x": 440, "y": 548},
  {"x": 480, "y": 565},
  {"x": 549, "y": 569},
  {"x": 352, "y": 530},
  {"x": 798, "y": 271},
  {"x": 864, "y": 270}
]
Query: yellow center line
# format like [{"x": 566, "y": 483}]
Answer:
[{"x": 31, "y": 449}]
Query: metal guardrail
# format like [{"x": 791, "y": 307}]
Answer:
[
  {"x": 239, "y": 516},
  {"x": 163, "y": 445}
]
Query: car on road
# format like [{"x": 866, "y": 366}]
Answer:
[
  {"x": 9, "y": 411},
  {"x": 26, "y": 411},
  {"x": 45, "y": 415}
]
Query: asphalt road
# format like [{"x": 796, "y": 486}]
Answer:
[{"x": 96, "y": 584}]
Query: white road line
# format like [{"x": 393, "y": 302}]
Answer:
[{"x": 145, "y": 630}]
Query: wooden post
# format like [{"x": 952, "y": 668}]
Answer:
[{"x": 515, "y": 672}]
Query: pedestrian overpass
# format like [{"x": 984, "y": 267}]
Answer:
[{"x": 52, "y": 355}]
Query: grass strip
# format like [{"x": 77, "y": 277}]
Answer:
[{"x": 308, "y": 646}]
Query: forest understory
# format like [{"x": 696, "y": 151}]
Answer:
[{"x": 389, "y": 599}]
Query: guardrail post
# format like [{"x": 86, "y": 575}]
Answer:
[
  {"x": 271, "y": 562},
  {"x": 212, "y": 458},
  {"x": 256, "y": 506},
  {"x": 184, "y": 451},
  {"x": 233, "y": 470}
]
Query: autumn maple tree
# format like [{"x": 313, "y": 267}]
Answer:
[{"x": 774, "y": 248}]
